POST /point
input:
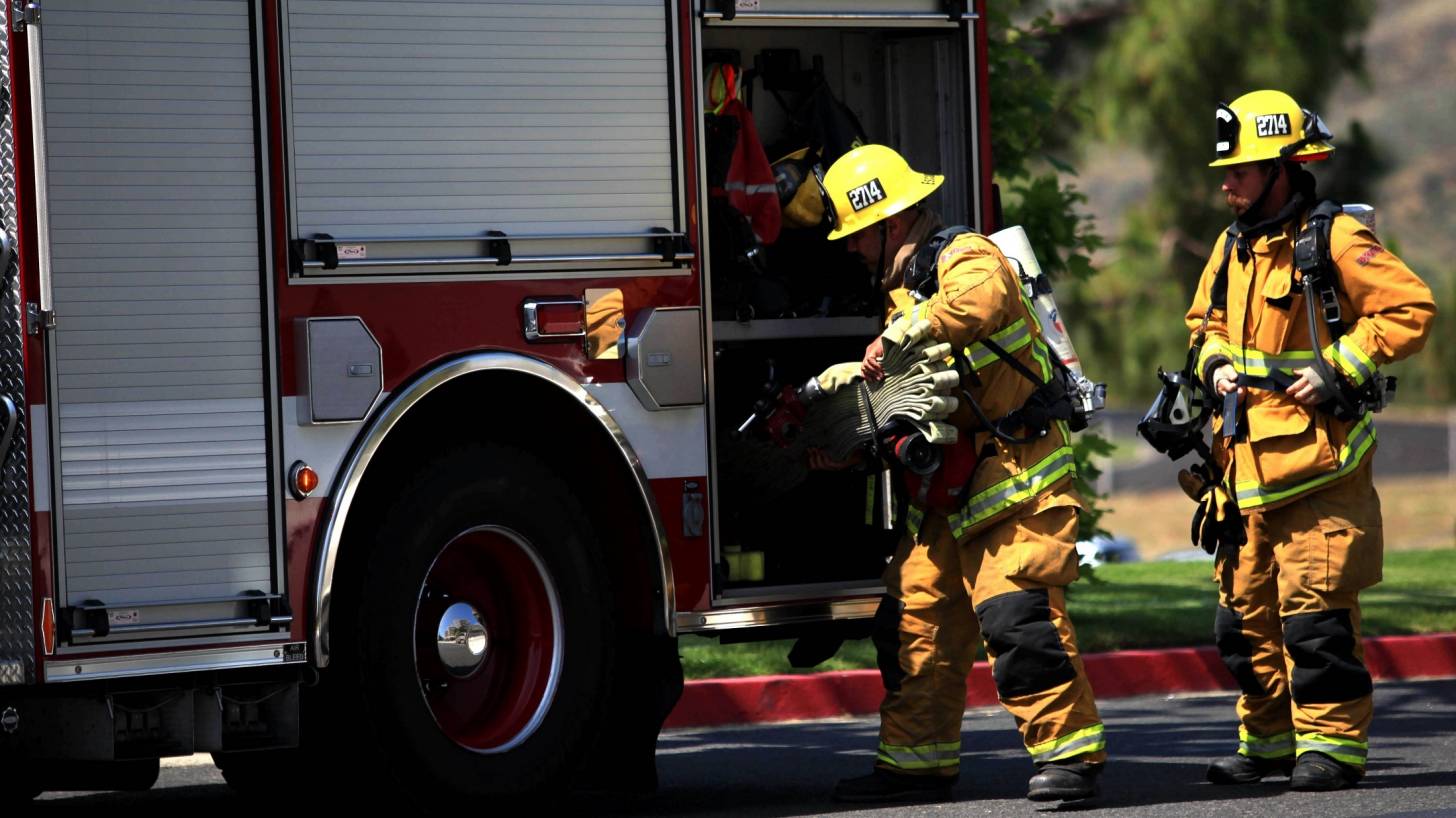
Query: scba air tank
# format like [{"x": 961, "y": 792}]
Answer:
[{"x": 1014, "y": 245}]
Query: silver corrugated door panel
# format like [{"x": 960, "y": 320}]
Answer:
[
  {"x": 427, "y": 119},
  {"x": 159, "y": 345}
]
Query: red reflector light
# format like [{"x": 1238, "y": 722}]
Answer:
[{"x": 561, "y": 319}]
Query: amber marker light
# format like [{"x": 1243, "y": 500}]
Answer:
[
  {"x": 48, "y": 626},
  {"x": 302, "y": 480}
]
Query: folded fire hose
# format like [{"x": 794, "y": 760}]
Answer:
[
  {"x": 915, "y": 392},
  {"x": 838, "y": 412}
]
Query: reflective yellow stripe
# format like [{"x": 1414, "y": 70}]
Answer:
[
  {"x": 1345, "y": 353},
  {"x": 1042, "y": 355},
  {"x": 1251, "y": 494},
  {"x": 921, "y": 756},
  {"x": 1086, "y": 740},
  {"x": 1015, "y": 489},
  {"x": 1212, "y": 348},
  {"x": 1013, "y": 337},
  {"x": 1351, "y": 359},
  {"x": 1277, "y": 746},
  {"x": 914, "y": 518},
  {"x": 1347, "y": 750},
  {"x": 1262, "y": 364}
]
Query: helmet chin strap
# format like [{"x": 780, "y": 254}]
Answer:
[
  {"x": 885, "y": 268},
  {"x": 1251, "y": 215}
]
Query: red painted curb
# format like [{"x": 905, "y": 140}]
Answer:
[{"x": 714, "y": 702}]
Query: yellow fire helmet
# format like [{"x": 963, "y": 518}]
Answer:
[
  {"x": 870, "y": 184},
  {"x": 803, "y": 204},
  {"x": 1269, "y": 125}
]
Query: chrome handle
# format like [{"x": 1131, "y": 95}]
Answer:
[
  {"x": 12, "y": 420},
  {"x": 31, "y": 21},
  {"x": 531, "y": 318},
  {"x": 492, "y": 260},
  {"x": 840, "y": 16},
  {"x": 514, "y": 237},
  {"x": 153, "y": 627}
]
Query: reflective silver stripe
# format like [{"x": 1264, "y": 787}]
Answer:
[
  {"x": 1267, "y": 748},
  {"x": 1362, "y": 437},
  {"x": 1353, "y": 361},
  {"x": 751, "y": 189},
  {"x": 921, "y": 757},
  {"x": 1014, "y": 489}
]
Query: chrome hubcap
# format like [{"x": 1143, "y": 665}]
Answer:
[{"x": 462, "y": 640}]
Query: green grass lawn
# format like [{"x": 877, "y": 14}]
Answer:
[{"x": 1144, "y": 605}]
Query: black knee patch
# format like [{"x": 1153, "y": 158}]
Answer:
[
  {"x": 1019, "y": 632},
  {"x": 886, "y": 636},
  {"x": 1322, "y": 645},
  {"x": 1236, "y": 650}
]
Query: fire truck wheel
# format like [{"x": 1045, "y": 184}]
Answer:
[
  {"x": 259, "y": 773},
  {"x": 484, "y": 629},
  {"x": 14, "y": 793}
]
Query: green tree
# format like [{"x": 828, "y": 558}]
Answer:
[
  {"x": 1170, "y": 61},
  {"x": 1029, "y": 115},
  {"x": 1155, "y": 72}
]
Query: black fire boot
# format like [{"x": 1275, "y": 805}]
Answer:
[
  {"x": 882, "y": 786},
  {"x": 1317, "y": 771},
  {"x": 1241, "y": 769},
  {"x": 1064, "y": 781}
]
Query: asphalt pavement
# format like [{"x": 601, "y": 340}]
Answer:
[{"x": 1159, "y": 746}]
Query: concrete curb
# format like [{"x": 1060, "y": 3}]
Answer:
[{"x": 715, "y": 702}]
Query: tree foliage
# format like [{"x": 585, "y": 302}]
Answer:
[
  {"x": 1169, "y": 62},
  {"x": 1028, "y": 108}
]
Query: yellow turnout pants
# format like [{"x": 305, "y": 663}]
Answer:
[{"x": 1006, "y": 585}]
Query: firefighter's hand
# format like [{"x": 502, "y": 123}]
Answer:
[
  {"x": 819, "y": 460},
  {"x": 1226, "y": 380},
  {"x": 871, "y": 367},
  {"x": 1310, "y": 388}
]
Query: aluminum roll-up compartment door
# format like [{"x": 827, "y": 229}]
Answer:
[
  {"x": 791, "y": 12},
  {"x": 159, "y": 346},
  {"x": 432, "y": 119}
]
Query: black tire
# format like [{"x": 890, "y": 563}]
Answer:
[
  {"x": 261, "y": 774},
  {"x": 646, "y": 688},
  {"x": 15, "y": 794},
  {"x": 506, "y": 496}
]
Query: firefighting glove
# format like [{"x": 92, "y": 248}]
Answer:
[
  {"x": 1196, "y": 480},
  {"x": 1216, "y": 520},
  {"x": 901, "y": 335},
  {"x": 838, "y": 376}
]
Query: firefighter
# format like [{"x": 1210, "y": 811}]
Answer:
[
  {"x": 995, "y": 566},
  {"x": 1295, "y": 442}
]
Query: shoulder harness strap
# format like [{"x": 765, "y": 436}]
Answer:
[
  {"x": 922, "y": 277},
  {"x": 1050, "y": 401},
  {"x": 1316, "y": 266},
  {"x": 1218, "y": 292}
]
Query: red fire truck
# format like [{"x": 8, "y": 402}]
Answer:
[{"x": 372, "y": 384}]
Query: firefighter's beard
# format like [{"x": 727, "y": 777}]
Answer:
[{"x": 1238, "y": 204}]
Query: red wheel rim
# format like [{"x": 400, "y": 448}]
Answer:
[{"x": 500, "y": 700}]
